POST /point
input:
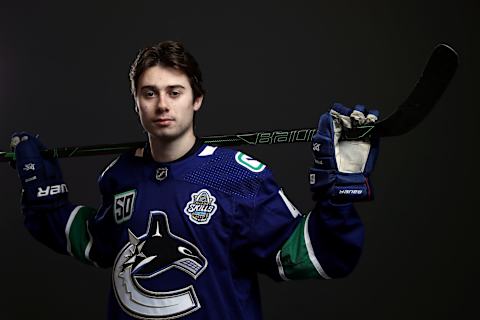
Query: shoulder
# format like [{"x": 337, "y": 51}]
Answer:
[
  {"x": 229, "y": 171},
  {"x": 235, "y": 158},
  {"x": 118, "y": 169},
  {"x": 227, "y": 161}
]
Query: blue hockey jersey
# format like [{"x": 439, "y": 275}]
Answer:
[{"x": 187, "y": 238}]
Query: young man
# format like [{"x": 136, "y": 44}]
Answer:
[{"x": 186, "y": 226}]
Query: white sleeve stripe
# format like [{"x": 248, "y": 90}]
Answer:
[
  {"x": 109, "y": 166},
  {"x": 281, "y": 272},
  {"x": 293, "y": 211},
  {"x": 89, "y": 247},
  {"x": 71, "y": 218},
  {"x": 311, "y": 253}
]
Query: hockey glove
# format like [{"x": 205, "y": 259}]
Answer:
[
  {"x": 41, "y": 178},
  {"x": 342, "y": 167}
]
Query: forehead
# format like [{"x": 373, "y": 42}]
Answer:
[{"x": 160, "y": 76}]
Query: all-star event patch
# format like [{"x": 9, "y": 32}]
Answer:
[{"x": 201, "y": 207}]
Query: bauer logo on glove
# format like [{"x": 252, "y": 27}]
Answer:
[
  {"x": 342, "y": 166},
  {"x": 41, "y": 178}
]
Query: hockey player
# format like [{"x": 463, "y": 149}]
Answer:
[{"x": 186, "y": 226}]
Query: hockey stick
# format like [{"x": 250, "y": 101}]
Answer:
[
  {"x": 253, "y": 138},
  {"x": 435, "y": 78}
]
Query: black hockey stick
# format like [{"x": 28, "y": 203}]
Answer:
[
  {"x": 435, "y": 78},
  {"x": 254, "y": 138}
]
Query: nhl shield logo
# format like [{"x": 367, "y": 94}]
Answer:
[
  {"x": 201, "y": 207},
  {"x": 161, "y": 174}
]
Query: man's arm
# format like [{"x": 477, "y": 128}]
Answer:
[
  {"x": 328, "y": 242},
  {"x": 49, "y": 216}
]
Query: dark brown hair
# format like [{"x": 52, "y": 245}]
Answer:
[{"x": 167, "y": 54}]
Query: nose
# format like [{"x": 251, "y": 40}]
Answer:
[{"x": 162, "y": 104}]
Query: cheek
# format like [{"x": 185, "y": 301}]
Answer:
[
  {"x": 144, "y": 108},
  {"x": 142, "y": 113}
]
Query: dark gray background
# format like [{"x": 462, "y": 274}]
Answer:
[{"x": 267, "y": 65}]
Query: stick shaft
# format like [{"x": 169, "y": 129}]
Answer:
[{"x": 253, "y": 138}]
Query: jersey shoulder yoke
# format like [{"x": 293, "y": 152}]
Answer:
[{"x": 229, "y": 171}]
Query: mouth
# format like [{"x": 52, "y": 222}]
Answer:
[{"x": 163, "y": 121}]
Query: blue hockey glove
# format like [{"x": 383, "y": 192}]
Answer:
[
  {"x": 41, "y": 178},
  {"x": 342, "y": 167}
]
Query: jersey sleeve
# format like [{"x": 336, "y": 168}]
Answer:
[
  {"x": 326, "y": 244},
  {"x": 263, "y": 224},
  {"x": 285, "y": 245},
  {"x": 77, "y": 230}
]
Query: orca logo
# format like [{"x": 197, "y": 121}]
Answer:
[{"x": 148, "y": 256}]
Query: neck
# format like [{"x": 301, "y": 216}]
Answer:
[{"x": 170, "y": 150}]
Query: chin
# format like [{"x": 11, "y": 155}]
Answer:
[
  {"x": 169, "y": 133},
  {"x": 165, "y": 134}
]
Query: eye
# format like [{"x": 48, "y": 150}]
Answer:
[
  {"x": 175, "y": 93},
  {"x": 148, "y": 93},
  {"x": 185, "y": 251}
]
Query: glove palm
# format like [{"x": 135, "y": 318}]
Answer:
[{"x": 342, "y": 167}]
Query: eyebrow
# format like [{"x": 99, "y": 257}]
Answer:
[{"x": 154, "y": 87}]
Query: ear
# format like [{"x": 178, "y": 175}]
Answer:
[
  {"x": 197, "y": 103},
  {"x": 136, "y": 105}
]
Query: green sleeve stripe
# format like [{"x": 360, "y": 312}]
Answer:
[
  {"x": 79, "y": 240},
  {"x": 294, "y": 256},
  {"x": 297, "y": 259}
]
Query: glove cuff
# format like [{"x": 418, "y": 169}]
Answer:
[
  {"x": 48, "y": 195},
  {"x": 339, "y": 187}
]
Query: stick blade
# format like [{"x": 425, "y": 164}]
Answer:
[{"x": 436, "y": 76}]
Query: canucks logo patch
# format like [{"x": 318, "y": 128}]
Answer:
[
  {"x": 145, "y": 260},
  {"x": 201, "y": 207},
  {"x": 249, "y": 163}
]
